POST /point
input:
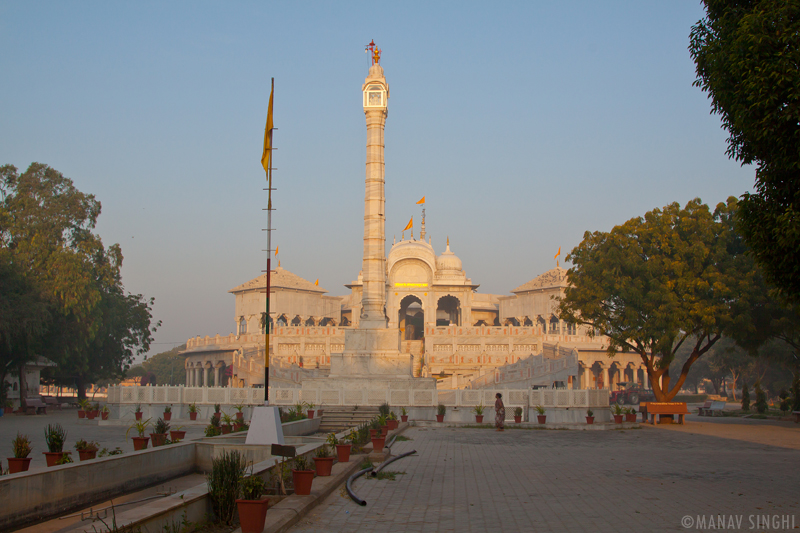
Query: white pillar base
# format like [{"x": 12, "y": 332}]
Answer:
[{"x": 265, "y": 426}]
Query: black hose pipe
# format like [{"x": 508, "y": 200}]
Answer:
[
  {"x": 391, "y": 442},
  {"x": 349, "y": 488},
  {"x": 393, "y": 459}
]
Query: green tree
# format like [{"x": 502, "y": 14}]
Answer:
[
  {"x": 745, "y": 397},
  {"x": 761, "y": 399},
  {"x": 95, "y": 328},
  {"x": 656, "y": 281},
  {"x": 167, "y": 367},
  {"x": 747, "y": 54}
]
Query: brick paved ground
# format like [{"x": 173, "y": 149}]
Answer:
[
  {"x": 33, "y": 426},
  {"x": 634, "y": 480}
]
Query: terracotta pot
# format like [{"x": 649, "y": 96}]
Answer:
[
  {"x": 226, "y": 428},
  {"x": 310, "y": 414},
  {"x": 85, "y": 455},
  {"x": 324, "y": 465},
  {"x": 239, "y": 416},
  {"x": 541, "y": 418},
  {"x": 590, "y": 420},
  {"x": 18, "y": 464},
  {"x": 478, "y": 419},
  {"x": 217, "y": 415},
  {"x": 193, "y": 416},
  {"x": 630, "y": 417},
  {"x": 343, "y": 452},
  {"x": 384, "y": 431},
  {"x": 176, "y": 435},
  {"x": 81, "y": 413},
  {"x": 53, "y": 458},
  {"x": 378, "y": 443},
  {"x": 96, "y": 413},
  {"x": 140, "y": 443},
  {"x": 302, "y": 481},
  {"x": 404, "y": 418},
  {"x": 90, "y": 415},
  {"x": 440, "y": 418},
  {"x": 252, "y": 515},
  {"x": 237, "y": 426},
  {"x": 392, "y": 424},
  {"x": 104, "y": 415},
  {"x": 618, "y": 419},
  {"x": 518, "y": 419},
  {"x": 167, "y": 416},
  {"x": 373, "y": 433},
  {"x": 159, "y": 439},
  {"x": 138, "y": 415},
  {"x": 8, "y": 410}
]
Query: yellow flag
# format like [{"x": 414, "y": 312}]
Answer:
[
  {"x": 276, "y": 250},
  {"x": 317, "y": 282},
  {"x": 559, "y": 253},
  {"x": 410, "y": 223},
  {"x": 265, "y": 157},
  {"x": 422, "y": 201}
]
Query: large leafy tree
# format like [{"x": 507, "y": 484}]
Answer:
[
  {"x": 747, "y": 54},
  {"x": 95, "y": 328},
  {"x": 674, "y": 276}
]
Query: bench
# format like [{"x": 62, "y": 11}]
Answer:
[
  {"x": 35, "y": 406},
  {"x": 52, "y": 402},
  {"x": 711, "y": 407},
  {"x": 643, "y": 410},
  {"x": 796, "y": 415},
  {"x": 666, "y": 410}
]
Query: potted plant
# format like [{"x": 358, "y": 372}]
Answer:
[
  {"x": 104, "y": 412},
  {"x": 377, "y": 437},
  {"x": 310, "y": 409},
  {"x": 618, "y": 412},
  {"x": 159, "y": 435},
  {"x": 239, "y": 413},
  {"x": 8, "y": 407},
  {"x": 589, "y": 416},
  {"x": 227, "y": 422},
  {"x": 478, "y": 410},
  {"x": 440, "y": 411},
  {"x": 83, "y": 405},
  {"x": 138, "y": 412},
  {"x": 168, "y": 413},
  {"x": 392, "y": 422},
  {"x": 630, "y": 415},
  {"x": 213, "y": 429},
  {"x": 540, "y": 416},
  {"x": 87, "y": 450},
  {"x": 217, "y": 412},
  {"x": 342, "y": 449},
  {"x": 302, "y": 476},
  {"x": 89, "y": 410},
  {"x": 382, "y": 422},
  {"x": 96, "y": 409},
  {"x": 403, "y": 415},
  {"x": 177, "y": 434},
  {"x": 252, "y": 509},
  {"x": 140, "y": 442},
  {"x": 192, "y": 411},
  {"x": 517, "y": 415},
  {"x": 56, "y": 436},
  {"x": 323, "y": 461},
  {"x": 22, "y": 448}
]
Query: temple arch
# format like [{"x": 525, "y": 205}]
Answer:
[
  {"x": 448, "y": 311},
  {"x": 296, "y": 321},
  {"x": 411, "y": 318}
]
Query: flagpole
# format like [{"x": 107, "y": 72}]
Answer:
[{"x": 269, "y": 257}]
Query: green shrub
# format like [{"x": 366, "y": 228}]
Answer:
[
  {"x": 761, "y": 399},
  {"x": 224, "y": 484},
  {"x": 56, "y": 436},
  {"x": 384, "y": 409},
  {"x": 253, "y": 487},
  {"x": 796, "y": 392},
  {"x": 745, "y": 397}
]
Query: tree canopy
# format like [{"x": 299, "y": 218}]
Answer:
[
  {"x": 84, "y": 320},
  {"x": 675, "y": 275},
  {"x": 747, "y": 54}
]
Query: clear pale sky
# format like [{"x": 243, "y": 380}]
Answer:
[{"x": 524, "y": 125}]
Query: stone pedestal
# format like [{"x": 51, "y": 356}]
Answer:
[{"x": 373, "y": 353}]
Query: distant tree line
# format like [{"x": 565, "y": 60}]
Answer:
[
  {"x": 165, "y": 368},
  {"x": 61, "y": 291}
]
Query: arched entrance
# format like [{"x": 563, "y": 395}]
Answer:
[
  {"x": 448, "y": 311},
  {"x": 411, "y": 318}
]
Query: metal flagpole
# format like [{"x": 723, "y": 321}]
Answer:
[{"x": 269, "y": 261}]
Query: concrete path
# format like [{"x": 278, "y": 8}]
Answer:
[
  {"x": 33, "y": 426},
  {"x": 768, "y": 432},
  {"x": 526, "y": 480}
]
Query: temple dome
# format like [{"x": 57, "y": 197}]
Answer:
[{"x": 448, "y": 260}]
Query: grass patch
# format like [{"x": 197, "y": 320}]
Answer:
[
  {"x": 366, "y": 463},
  {"x": 402, "y": 438}
]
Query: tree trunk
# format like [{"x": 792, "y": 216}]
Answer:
[
  {"x": 23, "y": 393},
  {"x": 733, "y": 384},
  {"x": 81, "y": 388}
]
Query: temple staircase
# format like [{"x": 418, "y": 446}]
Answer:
[{"x": 337, "y": 419}]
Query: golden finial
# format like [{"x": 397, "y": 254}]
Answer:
[{"x": 376, "y": 54}]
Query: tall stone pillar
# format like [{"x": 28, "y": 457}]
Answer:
[
  {"x": 188, "y": 378},
  {"x": 606, "y": 384},
  {"x": 216, "y": 376},
  {"x": 194, "y": 377}
]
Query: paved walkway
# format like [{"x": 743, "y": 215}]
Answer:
[
  {"x": 527, "y": 480},
  {"x": 33, "y": 426}
]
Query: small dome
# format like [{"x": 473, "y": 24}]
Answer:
[{"x": 448, "y": 260}]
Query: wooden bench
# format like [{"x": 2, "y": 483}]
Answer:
[
  {"x": 35, "y": 406},
  {"x": 711, "y": 407},
  {"x": 796, "y": 415},
  {"x": 664, "y": 410},
  {"x": 52, "y": 402},
  {"x": 643, "y": 410}
]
